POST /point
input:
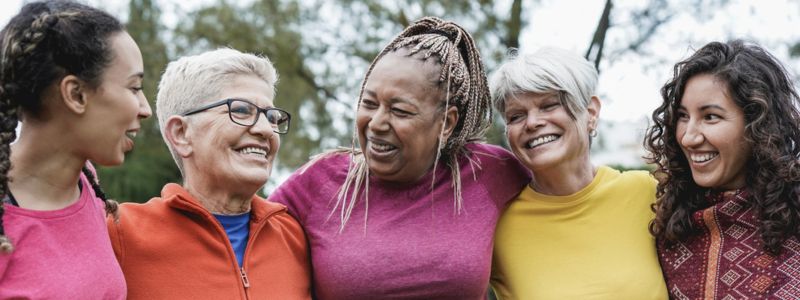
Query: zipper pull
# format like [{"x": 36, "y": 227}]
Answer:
[{"x": 244, "y": 278}]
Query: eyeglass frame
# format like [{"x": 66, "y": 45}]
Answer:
[{"x": 260, "y": 111}]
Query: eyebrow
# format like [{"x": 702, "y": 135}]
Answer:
[
  {"x": 138, "y": 74},
  {"x": 392, "y": 100},
  {"x": 706, "y": 107}
]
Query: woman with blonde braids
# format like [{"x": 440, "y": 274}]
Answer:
[
  {"x": 411, "y": 213},
  {"x": 73, "y": 76}
]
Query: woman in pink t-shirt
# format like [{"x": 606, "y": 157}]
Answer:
[
  {"x": 73, "y": 77},
  {"x": 411, "y": 213}
]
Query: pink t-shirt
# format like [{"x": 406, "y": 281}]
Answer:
[
  {"x": 415, "y": 245},
  {"x": 60, "y": 254}
]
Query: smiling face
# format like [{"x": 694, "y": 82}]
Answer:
[
  {"x": 400, "y": 117},
  {"x": 710, "y": 131},
  {"x": 117, "y": 106},
  {"x": 541, "y": 133},
  {"x": 223, "y": 152}
]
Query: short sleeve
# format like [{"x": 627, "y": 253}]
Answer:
[{"x": 503, "y": 174}]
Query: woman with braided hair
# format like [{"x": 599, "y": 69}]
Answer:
[
  {"x": 410, "y": 213},
  {"x": 73, "y": 77},
  {"x": 726, "y": 142}
]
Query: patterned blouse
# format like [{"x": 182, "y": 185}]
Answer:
[{"x": 726, "y": 260}]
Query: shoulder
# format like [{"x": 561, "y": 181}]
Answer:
[
  {"x": 633, "y": 176},
  {"x": 634, "y": 182},
  {"x": 324, "y": 164},
  {"x": 488, "y": 150}
]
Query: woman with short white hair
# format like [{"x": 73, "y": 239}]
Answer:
[
  {"x": 211, "y": 237},
  {"x": 577, "y": 231}
]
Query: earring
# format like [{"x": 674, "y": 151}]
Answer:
[{"x": 593, "y": 133}]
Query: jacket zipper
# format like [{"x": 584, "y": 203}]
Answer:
[{"x": 245, "y": 281}]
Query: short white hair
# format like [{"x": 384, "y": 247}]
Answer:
[
  {"x": 547, "y": 71},
  {"x": 192, "y": 81}
]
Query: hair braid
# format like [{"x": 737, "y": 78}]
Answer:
[
  {"x": 8, "y": 113},
  {"x": 45, "y": 41},
  {"x": 111, "y": 205},
  {"x": 463, "y": 79}
]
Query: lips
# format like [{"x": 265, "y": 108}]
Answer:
[
  {"x": 703, "y": 157},
  {"x": 380, "y": 149},
  {"x": 541, "y": 140},
  {"x": 256, "y": 151}
]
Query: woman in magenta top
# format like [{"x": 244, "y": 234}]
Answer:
[
  {"x": 727, "y": 140},
  {"x": 411, "y": 213},
  {"x": 73, "y": 76}
]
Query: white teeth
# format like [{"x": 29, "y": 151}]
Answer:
[
  {"x": 541, "y": 140},
  {"x": 381, "y": 147},
  {"x": 254, "y": 150},
  {"x": 131, "y": 134},
  {"x": 699, "y": 158}
]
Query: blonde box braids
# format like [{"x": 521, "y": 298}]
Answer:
[{"x": 466, "y": 88}]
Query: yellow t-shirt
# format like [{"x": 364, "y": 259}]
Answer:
[{"x": 593, "y": 244}]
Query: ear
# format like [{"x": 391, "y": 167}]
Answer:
[
  {"x": 450, "y": 121},
  {"x": 593, "y": 111},
  {"x": 73, "y": 93},
  {"x": 178, "y": 133}
]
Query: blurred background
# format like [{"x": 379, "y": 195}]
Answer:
[{"x": 321, "y": 50}]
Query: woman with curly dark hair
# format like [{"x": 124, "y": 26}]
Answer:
[{"x": 726, "y": 143}]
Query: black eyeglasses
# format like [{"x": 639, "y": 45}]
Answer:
[{"x": 245, "y": 113}]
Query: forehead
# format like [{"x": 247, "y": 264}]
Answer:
[
  {"x": 248, "y": 87},
  {"x": 398, "y": 65},
  {"x": 126, "y": 59},
  {"x": 706, "y": 89},
  {"x": 528, "y": 99}
]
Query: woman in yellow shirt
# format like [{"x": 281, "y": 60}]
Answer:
[{"x": 577, "y": 231}]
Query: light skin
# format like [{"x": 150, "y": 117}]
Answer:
[
  {"x": 548, "y": 142},
  {"x": 219, "y": 170},
  {"x": 400, "y": 118},
  {"x": 710, "y": 131},
  {"x": 79, "y": 122}
]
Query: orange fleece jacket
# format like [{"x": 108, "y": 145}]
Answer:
[{"x": 172, "y": 248}]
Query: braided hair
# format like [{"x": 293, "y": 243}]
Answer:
[
  {"x": 463, "y": 80},
  {"x": 44, "y": 42}
]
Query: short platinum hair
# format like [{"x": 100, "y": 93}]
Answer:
[
  {"x": 192, "y": 81},
  {"x": 547, "y": 71}
]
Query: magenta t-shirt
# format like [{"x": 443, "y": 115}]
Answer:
[
  {"x": 60, "y": 254},
  {"x": 415, "y": 245}
]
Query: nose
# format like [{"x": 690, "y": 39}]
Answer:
[
  {"x": 533, "y": 122},
  {"x": 262, "y": 127},
  {"x": 379, "y": 121},
  {"x": 692, "y": 135},
  {"x": 144, "y": 108}
]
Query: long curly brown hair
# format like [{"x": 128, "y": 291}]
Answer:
[{"x": 759, "y": 84}]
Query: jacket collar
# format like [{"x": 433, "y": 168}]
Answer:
[{"x": 179, "y": 198}]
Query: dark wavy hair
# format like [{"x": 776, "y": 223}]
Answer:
[
  {"x": 44, "y": 42},
  {"x": 762, "y": 88}
]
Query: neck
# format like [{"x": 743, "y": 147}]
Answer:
[
  {"x": 217, "y": 197},
  {"x": 564, "y": 179},
  {"x": 44, "y": 175}
]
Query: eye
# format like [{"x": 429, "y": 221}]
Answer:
[
  {"x": 683, "y": 116},
  {"x": 514, "y": 118},
  {"x": 712, "y": 117},
  {"x": 137, "y": 89},
  {"x": 240, "y": 108},
  {"x": 401, "y": 113},
  {"x": 368, "y": 104},
  {"x": 551, "y": 106}
]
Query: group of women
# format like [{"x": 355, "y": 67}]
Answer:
[{"x": 418, "y": 207}]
